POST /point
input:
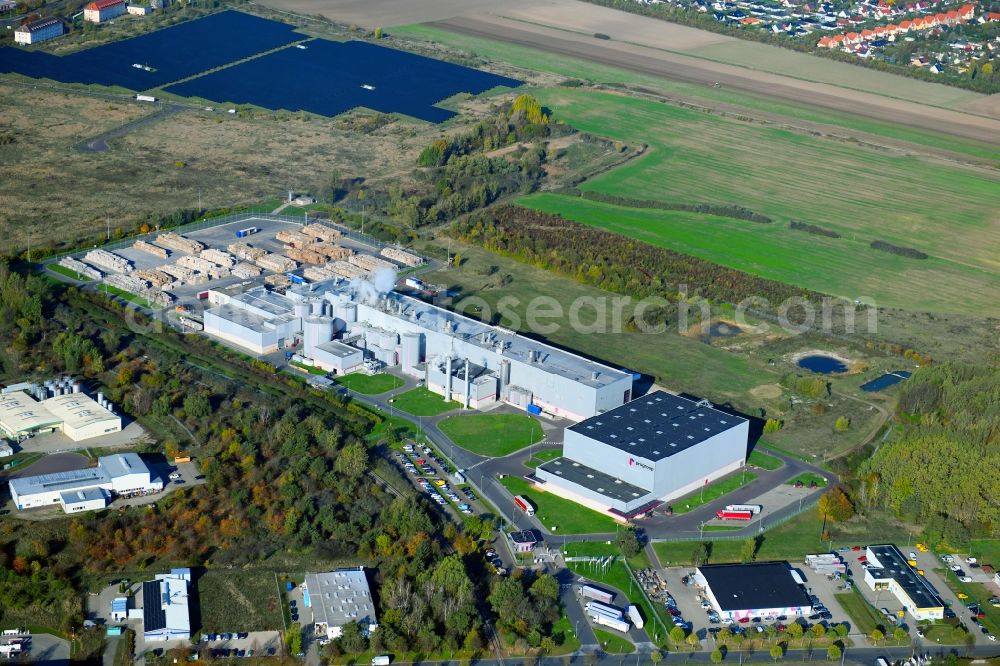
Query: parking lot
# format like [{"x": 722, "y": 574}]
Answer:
[
  {"x": 691, "y": 606},
  {"x": 38, "y": 648}
]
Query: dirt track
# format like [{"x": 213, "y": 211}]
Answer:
[{"x": 692, "y": 70}]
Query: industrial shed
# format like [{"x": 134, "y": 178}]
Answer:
[
  {"x": 758, "y": 589},
  {"x": 887, "y": 569},
  {"x": 653, "y": 449},
  {"x": 77, "y": 415},
  {"x": 337, "y": 598},
  {"x": 166, "y": 613}
]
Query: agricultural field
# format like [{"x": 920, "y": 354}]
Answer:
[
  {"x": 696, "y": 158},
  {"x": 239, "y": 601},
  {"x": 492, "y": 434},
  {"x": 721, "y": 99}
]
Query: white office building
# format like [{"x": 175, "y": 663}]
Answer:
[{"x": 166, "y": 613}]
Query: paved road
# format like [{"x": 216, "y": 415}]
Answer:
[
  {"x": 99, "y": 143},
  {"x": 481, "y": 473}
]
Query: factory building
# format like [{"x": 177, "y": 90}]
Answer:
[
  {"x": 166, "y": 615},
  {"x": 26, "y": 410},
  {"x": 887, "y": 569},
  {"x": 758, "y": 589},
  {"x": 650, "y": 450},
  {"x": 122, "y": 474},
  {"x": 39, "y": 31},
  {"x": 342, "y": 328},
  {"x": 337, "y": 598}
]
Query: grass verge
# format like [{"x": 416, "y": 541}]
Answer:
[
  {"x": 764, "y": 461},
  {"x": 807, "y": 478},
  {"x": 713, "y": 491},
  {"x": 613, "y": 643}
]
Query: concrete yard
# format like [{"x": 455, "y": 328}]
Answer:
[{"x": 56, "y": 442}]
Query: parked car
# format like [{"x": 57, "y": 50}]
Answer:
[
  {"x": 174, "y": 476},
  {"x": 965, "y": 579}
]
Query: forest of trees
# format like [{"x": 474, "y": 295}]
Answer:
[{"x": 942, "y": 470}]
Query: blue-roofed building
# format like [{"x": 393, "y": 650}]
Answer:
[{"x": 121, "y": 474}]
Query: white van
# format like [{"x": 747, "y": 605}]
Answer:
[{"x": 381, "y": 660}]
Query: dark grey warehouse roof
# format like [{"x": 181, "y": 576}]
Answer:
[
  {"x": 891, "y": 564},
  {"x": 755, "y": 586},
  {"x": 658, "y": 425},
  {"x": 595, "y": 480}
]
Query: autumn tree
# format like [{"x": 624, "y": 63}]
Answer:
[{"x": 836, "y": 505}]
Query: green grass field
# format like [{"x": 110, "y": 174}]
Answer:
[
  {"x": 808, "y": 477},
  {"x": 370, "y": 384},
  {"x": 554, "y": 511},
  {"x": 864, "y": 618},
  {"x": 492, "y": 434},
  {"x": 239, "y": 601},
  {"x": 533, "y": 59},
  {"x": 125, "y": 295},
  {"x": 713, "y": 491},
  {"x": 613, "y": 643},
  {"x": 422, "y": 402},
  {"x": 700, "y": 158},
  {"x": 762, "y": 460}
]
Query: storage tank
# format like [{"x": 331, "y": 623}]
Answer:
[
  {"x": 100, "y": 399},
  {"x": 409, "y": 351},
  {"x": 315, "y": 331},
  {"x": 77, "y": 387},
  {"x": 318, "y": 307},
  {"x": 302, "y": 309},
  {"x": 348, "y": 312}
]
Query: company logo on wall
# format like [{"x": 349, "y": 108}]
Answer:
[{"x": 632, "y": 462}]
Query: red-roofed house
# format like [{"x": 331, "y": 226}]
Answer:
[
  {"x": 103, "y": 10},
  {"x": 851, "y": 38},
  {"x": 904, "y": 26},
  {"x": 967, "y": 12},
  {"x": 992, "y": 16}
]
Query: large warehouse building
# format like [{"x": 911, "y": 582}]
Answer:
[
  {"x": 888, "y": 570},
  {"x": 337, "y": 598},
  {"x": 342, "y": 327},
  {"x": 759, "y": 589},
  {"x": 77, "y": 415},
  {"x": 650, "y": 450},
  {"x": 122, "y": 474},
  {"x": 166, "y": 614}
]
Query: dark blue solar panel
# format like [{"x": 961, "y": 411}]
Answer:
[
  {"x": 174, "y": 53},
  {"x": 885, "y": 381},
  {"x": 329, "y": 78}
]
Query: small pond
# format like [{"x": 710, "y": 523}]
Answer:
[
  {"x": 824, "y": 365},
  {"x": 721, "y": 329}
]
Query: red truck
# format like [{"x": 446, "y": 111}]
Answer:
[
  {"x": 524, "y": 505},
  {"x": 734, "y": 515}
]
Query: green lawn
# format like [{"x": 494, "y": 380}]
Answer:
[
  {"x": 613, "y": 643},
  {"x": 370, "y": 384},
  {"x": 713, "y": 491},
  {"x": 423, "y": 402},
  {"x": 68, "y": 272},
  {"x": 791, "y": 540},
  {"x": 543, "y": 457},
  {"x": 556, "y": 512},
  {"x": 563, "y": 627},
  {"x": 759, "y": 459},
  {"x": 694, "y": 157},
  {"x": 492, "y": 434},
  {"x": 808, "y": 477},
  {"x": 864, "y": 618},
  {"x": 569, "y": 66}
]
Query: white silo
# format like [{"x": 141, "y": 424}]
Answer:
[
  {"x": 318, "y": 307},
  {"x": 315, "y": 331},
  {"x": 348, "y": 312},
  {"x": 302, "y": 309},
  {"x": 409, "y": 351}
]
